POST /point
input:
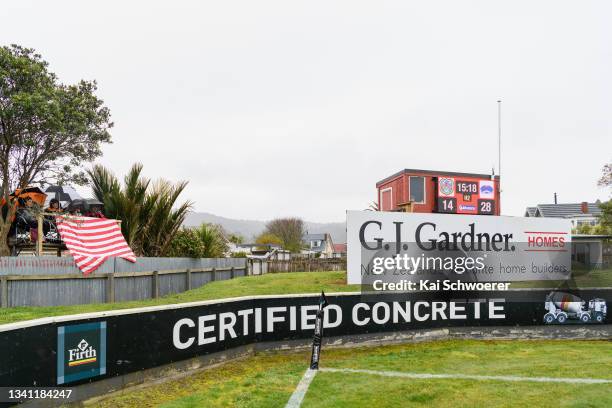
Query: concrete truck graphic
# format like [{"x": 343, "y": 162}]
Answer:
[{"x": 563, "y": 306}]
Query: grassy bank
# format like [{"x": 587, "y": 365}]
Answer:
[
  {"x": 268, "y": 379},
  {"x": 270, "y": 284}
]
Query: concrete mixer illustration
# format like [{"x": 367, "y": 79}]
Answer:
[{"x": 563, "y": 306}]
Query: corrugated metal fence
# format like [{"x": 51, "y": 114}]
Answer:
[
  {"x": 53, "y": 281},
  {"x": 260, "y": 266}
]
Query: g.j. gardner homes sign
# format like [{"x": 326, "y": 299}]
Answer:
[{"x": 404, "y": 247}]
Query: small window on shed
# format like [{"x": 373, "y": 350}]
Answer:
[{"x": 417, "y": 189}]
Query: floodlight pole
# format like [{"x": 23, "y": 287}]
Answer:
[{"x": 499, "y": 143}]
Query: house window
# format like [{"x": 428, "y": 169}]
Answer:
[
  {"x": 314, "y": 244},
  {"x": 417, "y": 190}
]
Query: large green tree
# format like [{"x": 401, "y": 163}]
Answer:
[
  {"x": 290, "y": 230},
  {"x": 149, "y": 211},
  {"x": 47, "y": 128}
]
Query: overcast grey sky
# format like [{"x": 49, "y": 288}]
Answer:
[{"x": 275, "y": 108}]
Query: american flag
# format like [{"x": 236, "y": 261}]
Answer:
[{"x": 93, "y": 240}]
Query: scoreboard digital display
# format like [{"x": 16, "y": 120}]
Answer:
[{"x": 466, "y": 196}]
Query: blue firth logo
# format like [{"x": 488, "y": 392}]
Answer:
[
  {"x": 81, "y": 351},
  {"x": 486, "y": 189}
]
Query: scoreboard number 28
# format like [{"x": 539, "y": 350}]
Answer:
[{"x": 486, "y": 207}]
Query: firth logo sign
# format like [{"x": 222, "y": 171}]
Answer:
[
  {"x": 84, "y": 353},
  {"x": 81, "y": 351}
]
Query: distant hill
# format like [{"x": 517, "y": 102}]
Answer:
[{"x": 249, "y": 229}]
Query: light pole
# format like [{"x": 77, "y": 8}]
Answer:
[{"x": 499, "y": 143}]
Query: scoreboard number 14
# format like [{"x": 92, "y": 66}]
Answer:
[{"x": 447, "y": 205}]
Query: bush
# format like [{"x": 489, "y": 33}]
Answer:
[
  {"x": 208, "y": 241},
  {"x": 240, "y": 254},
  {"x": 186, "y": 243}
]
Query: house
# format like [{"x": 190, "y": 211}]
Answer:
[
  {"x": 321, "y": 244},
  {"x": 339, "y": 251},
  {"x": 579, "y": 213},
  {"x": 592, "y": 251}
]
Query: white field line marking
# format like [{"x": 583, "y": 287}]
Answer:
[
  {"x": 300, "y": 391},
  {"x": 468, "y": 376}
]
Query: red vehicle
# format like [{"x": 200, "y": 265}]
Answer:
[{"x": 428, "y": 191}]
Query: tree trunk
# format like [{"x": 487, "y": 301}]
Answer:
[
  {"x": 5, "y": 227},
  {"x": 4, "y": 231}
]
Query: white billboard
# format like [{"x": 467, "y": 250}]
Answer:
[{"x": 396, "y": 246}]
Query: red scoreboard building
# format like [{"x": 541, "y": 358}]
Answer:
[{"x": 427, "y": 191}]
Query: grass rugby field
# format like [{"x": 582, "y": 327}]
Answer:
[
  {"x": 269, "y": 284},
  {"x": 268, "y": 379}
]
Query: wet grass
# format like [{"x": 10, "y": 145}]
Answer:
[{"x": 268, "y": 379}]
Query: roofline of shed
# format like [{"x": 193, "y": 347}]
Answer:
[{"x": 434, "y": 173}]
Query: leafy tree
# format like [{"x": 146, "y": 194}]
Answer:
[
  {"x": 605, "y": 220},
  {"x": 289, "y": 230},
  {"x": 267, "y": 238},
  {"x": 149, "y": 213},
  {"x": 47, "y": 129},
  {"x": 186, "y": 243},
  {"x": 235, "y": 238},
  {"x": 606, "y": 176},
  {"x": 583, "y": 229}
]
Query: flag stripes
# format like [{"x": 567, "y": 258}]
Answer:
[{"x": 91, "y": 241}]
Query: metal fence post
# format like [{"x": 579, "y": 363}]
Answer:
[
  {"x": 155, "y": 284},
  {"x": 232, "y": 273},
  {"x": 4, "y": 291},
  {"x": 110, "y": 287},
  {"x": 213, "y": 277},
  {"x": 188, "y": 286}
]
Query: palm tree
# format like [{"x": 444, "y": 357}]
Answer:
[
  {"x": 214, "y": 241},
  {"x": 373, "y": 207},
  {"x": 149, "y": 214}
]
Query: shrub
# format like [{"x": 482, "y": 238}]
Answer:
[{"x": 186, "y": 243}]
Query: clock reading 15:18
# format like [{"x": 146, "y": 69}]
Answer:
[{"x": 467, "y": 187}]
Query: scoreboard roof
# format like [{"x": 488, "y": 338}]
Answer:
[{"x": 435, "y": 173}]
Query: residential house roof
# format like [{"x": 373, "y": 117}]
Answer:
[
  {"x": 308, "y": 238},
  {"x": 340, "y": 248},
  {"x": 563, "y": 210}
]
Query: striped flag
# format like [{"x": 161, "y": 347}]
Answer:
[{"x": 93, "y": 240}]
